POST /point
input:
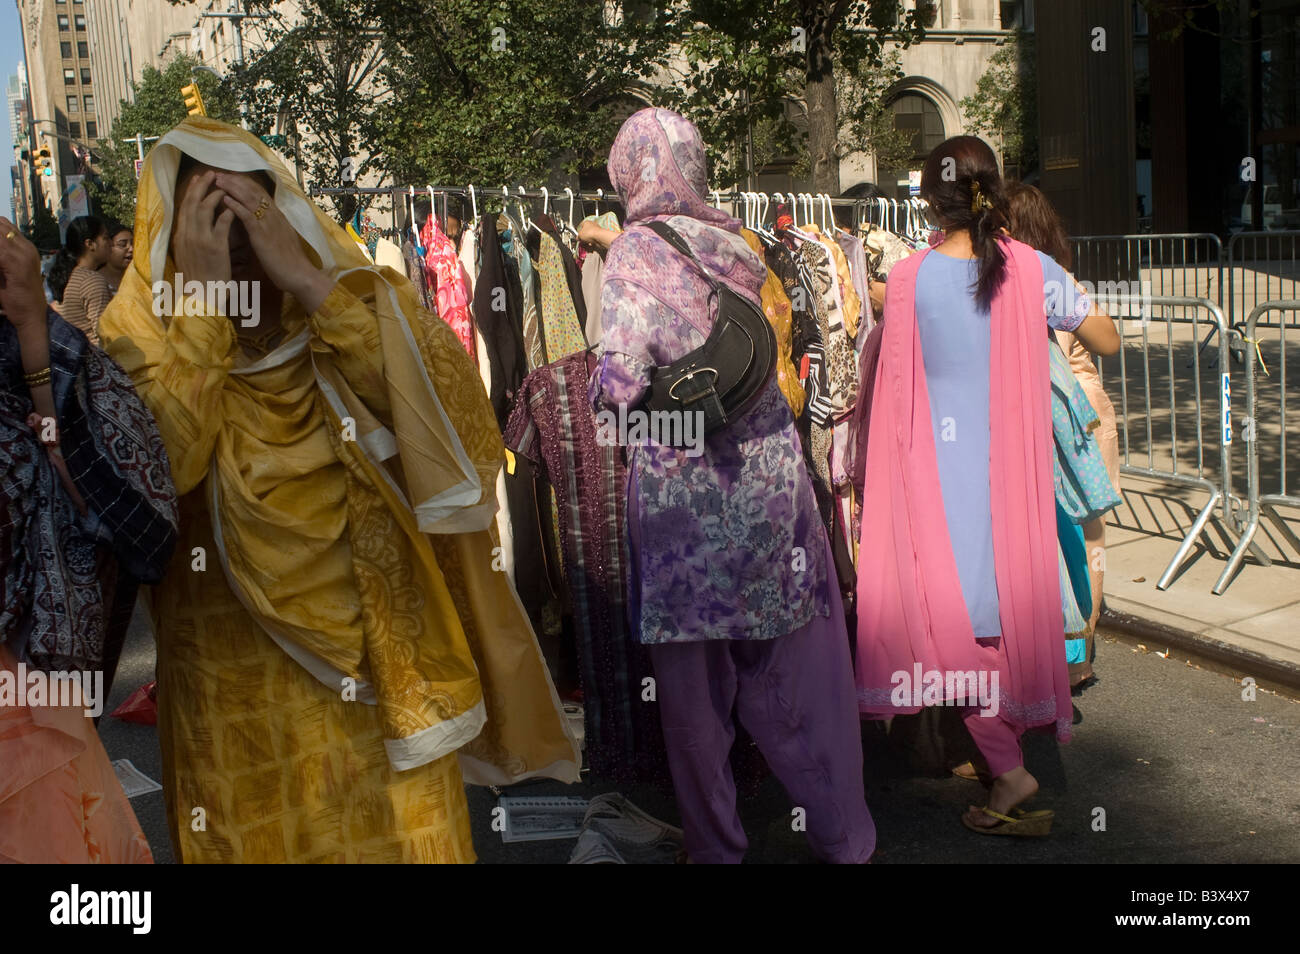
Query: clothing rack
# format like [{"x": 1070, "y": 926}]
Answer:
[{"x": 902, "y": 216}]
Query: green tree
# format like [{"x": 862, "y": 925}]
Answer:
[
  {"x": 748, "y": 61},
  {"x": 498, "y": 94},
  {"x": 157, "y": 107},
  {"x": 43, "y": 230},
  {"x": 315, "y": 78},
  {"x": 868, "y": 124},
  {"x": 1004, "y": 105}
]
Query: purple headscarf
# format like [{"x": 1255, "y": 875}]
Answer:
[{"x": 658, "y": 166}]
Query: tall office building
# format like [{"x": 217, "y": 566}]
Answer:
[{"x": 57, "y": 47}]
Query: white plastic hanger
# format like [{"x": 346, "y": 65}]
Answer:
[
  {"x": 762, "y": 216},
  {"x": 473, "y": 204},
  {"x": 569, "y": 193},
  {"x": 415, "y": 229}
]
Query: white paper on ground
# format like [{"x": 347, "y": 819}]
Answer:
[{"x": 134, "y": 782}]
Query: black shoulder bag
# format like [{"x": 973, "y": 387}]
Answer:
[{"x": 724, "y": 376}]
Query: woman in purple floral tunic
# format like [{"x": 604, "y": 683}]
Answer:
[{"x": 730, "y": 585}]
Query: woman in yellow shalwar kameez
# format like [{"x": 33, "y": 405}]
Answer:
[{"x": 334, "y": 645}]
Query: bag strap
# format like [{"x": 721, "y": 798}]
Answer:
[{"x": 673, "y": 238}]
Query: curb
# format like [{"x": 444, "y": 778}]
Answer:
[{"x": 1238, "y": 661}]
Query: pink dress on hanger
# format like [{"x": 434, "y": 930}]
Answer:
[{"x": 444, "y": 270}]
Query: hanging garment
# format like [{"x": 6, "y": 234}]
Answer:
[
  {"x": 807, "y": 352},
  {"x": 856, "y": 255},
  {"x": 553, "y": 426},
  {"x": 572, "y": 275},
  {"x": 850, "y": 302},
  {"x": 776, "y": 306},
  {"x": 593, "y": 275},
  {"x": 415, "y": 272},
  {"x": 389, "y": 255},
  {"x": 913, "y": 598},
  {"x": 528, "y": 281},
  {"x": 884, "y": 251},
  {"x": 561, "y": 331},
  {"x": 497, "y": 302},
  {"x": 468, "y": 258},
  {"x": 841, "y": 359},
  {"x": 354, "y": 230},
  {"x": 367, "y": 560},
  {"x": 442, "y": 270},
  {"x": 593, "y": 279}
]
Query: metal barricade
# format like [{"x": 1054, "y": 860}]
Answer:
[
  {"x": 1149, "y": 407},
  {"x": 1264, "y": 504},
  {"x": 1262, "y": 267},
  {"x": 1183, "y": 264}
]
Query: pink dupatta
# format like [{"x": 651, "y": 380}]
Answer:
[{"x": 910, "y": 605}]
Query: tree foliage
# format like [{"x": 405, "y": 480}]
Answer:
[
  {"x": 746, "y": 61},
  {"x": 867, "y": 119},
  {"x": 157, "y": 107},
  {"x": 43, "y": 230},
  {"x": 496, "y": 93},
  {"x": 314, "y": 77},
  {"x": 1004, "y": 105}
]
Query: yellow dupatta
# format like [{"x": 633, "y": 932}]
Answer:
[{"x": 365, "y": 438}]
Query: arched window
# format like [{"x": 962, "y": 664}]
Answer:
[{"x": 919, "y": 116}]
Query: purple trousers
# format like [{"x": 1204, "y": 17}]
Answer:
[{"x": 795, "y": 697}]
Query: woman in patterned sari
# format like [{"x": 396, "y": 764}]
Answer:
[
  {"x": 335, "y": 647},
  {"x": 86, "y": 511},
  {"x": 731, "y": 586}
]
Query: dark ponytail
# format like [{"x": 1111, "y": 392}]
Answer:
[
  {"x": 964, "y": 188},
  {"x": 83, "y": 229}
]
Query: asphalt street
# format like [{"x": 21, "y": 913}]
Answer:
[{"x": 1183, "y": 768}]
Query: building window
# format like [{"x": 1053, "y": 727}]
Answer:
[
  {"x": 81, "y": 21},
  {"x": 63, "y": 21},
  {"x": 60, "y": 1},
  {"x": 92, "y": 130},
  {"x": 72, "y": 104},
  {"x": 74, "y": 130},
  {"x": 82, "y": 50},
  {"x": 85, "y": 75},
  {"x": 89, "y": 103},
  {"x": 65, "y": 49},
  {"x": 69, "y": 77},
  {"x": 919, "y": 116}
]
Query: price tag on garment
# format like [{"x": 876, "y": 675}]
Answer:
[
  {"x": 804, "y": 364},
  {"x": 510, "y": 462}
]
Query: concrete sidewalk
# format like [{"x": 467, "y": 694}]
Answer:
[{"x": 1257, "y": 619}]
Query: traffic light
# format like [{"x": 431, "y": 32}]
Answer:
[
  {"x": 193, "y": 101},
  {"x": 44, "y": 165}
]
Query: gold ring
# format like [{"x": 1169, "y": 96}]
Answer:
[
  {"x": 261, "y": 208},
  {"x": 10, "y": 235}
]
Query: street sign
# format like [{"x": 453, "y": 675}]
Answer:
[{"x": 139, "y": 167}]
